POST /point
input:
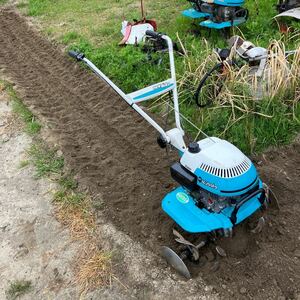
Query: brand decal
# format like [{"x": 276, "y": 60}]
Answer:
[
  {"x": 211, "y": 185},
  {"x": 161, "y": 85},
  {"x": 183, "y": 198}
]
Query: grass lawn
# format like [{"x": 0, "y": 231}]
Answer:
[{"x": 94, "y": 27}]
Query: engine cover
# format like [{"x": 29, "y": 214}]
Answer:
[{"x": 220, "y": 168}]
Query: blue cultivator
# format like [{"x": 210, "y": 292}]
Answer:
[
  {"x": 218, "y": 14},
  {"x": 219, "y": 186}
]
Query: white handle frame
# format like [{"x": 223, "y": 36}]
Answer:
[{"x": 149, "y": 93}]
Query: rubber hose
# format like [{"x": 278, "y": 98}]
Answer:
[{"x": 201, "y": 84}]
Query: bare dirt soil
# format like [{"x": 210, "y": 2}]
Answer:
[
  {"x": 34, "y": 246},
  {"x": 113, "y": 152}
]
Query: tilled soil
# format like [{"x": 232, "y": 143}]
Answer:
[{"x": 114, "y": 153}]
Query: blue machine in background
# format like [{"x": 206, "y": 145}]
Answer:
[{"x": 218, "y": 14}]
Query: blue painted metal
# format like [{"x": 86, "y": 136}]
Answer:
[
  {"x": 227, "y": 186},
  {"x": 194, "y": 14},
  {"x": 181, "y": 207},
  {"x": 213, "y": 25},
  {"x": 229, "y": 2},
  {"x": 153, "y": 92}
]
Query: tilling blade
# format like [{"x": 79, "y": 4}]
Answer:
[
  {"x": 260, "y": 225},
  {"x": 175, "y": 261},
  {"x": 221, "y": 251},
  {"x": 274, "y": 199}
]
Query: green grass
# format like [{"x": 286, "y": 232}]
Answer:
[
  {"x": 32, "y": 126},
  {"x": 46, "y": 161},
  {"x": 24, "y": 163},
  {"x": 18, "y": 289},
  {"x": 93, "y": 27},
  {"x": 48, "y": 164},
  {"x": 2, "y": 2},
  {"x": 68, "y": 198}
]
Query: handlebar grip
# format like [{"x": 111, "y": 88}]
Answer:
[
  {"x": 76, "y": 55},
  {"x": 154, "y": 34}
]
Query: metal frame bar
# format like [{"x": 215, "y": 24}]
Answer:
[{"x": 129, "y": 97}]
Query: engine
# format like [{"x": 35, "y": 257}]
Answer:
[
  {"x": 216, "y": 174},
  {"x": 204, "y": 199},
  {"x": 219, "y": 13}
]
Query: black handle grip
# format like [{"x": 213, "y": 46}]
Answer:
[
  {"x": 78, "y": 56},
  {"x": 153, "y": 34}
]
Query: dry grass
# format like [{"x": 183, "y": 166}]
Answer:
[
  {"x": 281, "y": 74},
  {"x": 93, "y": 268},
  {"x": 81, "y": 223},
  {"x": 240, "y": 91}
]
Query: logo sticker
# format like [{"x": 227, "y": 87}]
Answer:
[{"x": 183, "y": 198}]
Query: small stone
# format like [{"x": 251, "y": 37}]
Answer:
[
  {"x": 5, "y": 138},
  {"x": 23, "y": 251},
  {"x": 297, "y": 253},
  {"x": 224, "y": 286},
  {"x": 280, "y": 230},
  {"x": 243, "y": 290},
  {"x": 207, "y": 288},
  {"x": 59, "y": 153}
]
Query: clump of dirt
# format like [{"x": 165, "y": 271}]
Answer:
[{"x": 114, "y": 153}]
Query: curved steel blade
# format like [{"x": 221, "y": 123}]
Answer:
[
  {"x": 274, "y": 199},
  {"x": 271, "y": 197},
  {"x": 180, "y": 239},
  {"x": 260, "y": 225},
  {"x": 175, "y": 261},
  {"x": 185, "y": 242},
  {"x": 221, "y": 251}
]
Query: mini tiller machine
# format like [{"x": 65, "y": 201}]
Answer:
[{"x": 219, "y": 186}]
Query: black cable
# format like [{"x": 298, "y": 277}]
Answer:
[{"x": 202, "y": 83}]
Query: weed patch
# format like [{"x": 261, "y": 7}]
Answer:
[
  {"x": 32, "y": 126},
  {"x": 46, "y": 161},
  {"x": 23, "y": 164},
  {"x": 2, "y": 2},
  {"x": 18, "y": 289}
]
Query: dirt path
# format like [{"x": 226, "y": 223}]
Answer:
[
  {"x": 34, "y": 246},
  {"x": 114, "y": 153}
]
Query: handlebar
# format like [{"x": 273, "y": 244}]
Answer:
[
  {"x": 76, "y": 55},
  {"x": 153, "y": 34}
]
